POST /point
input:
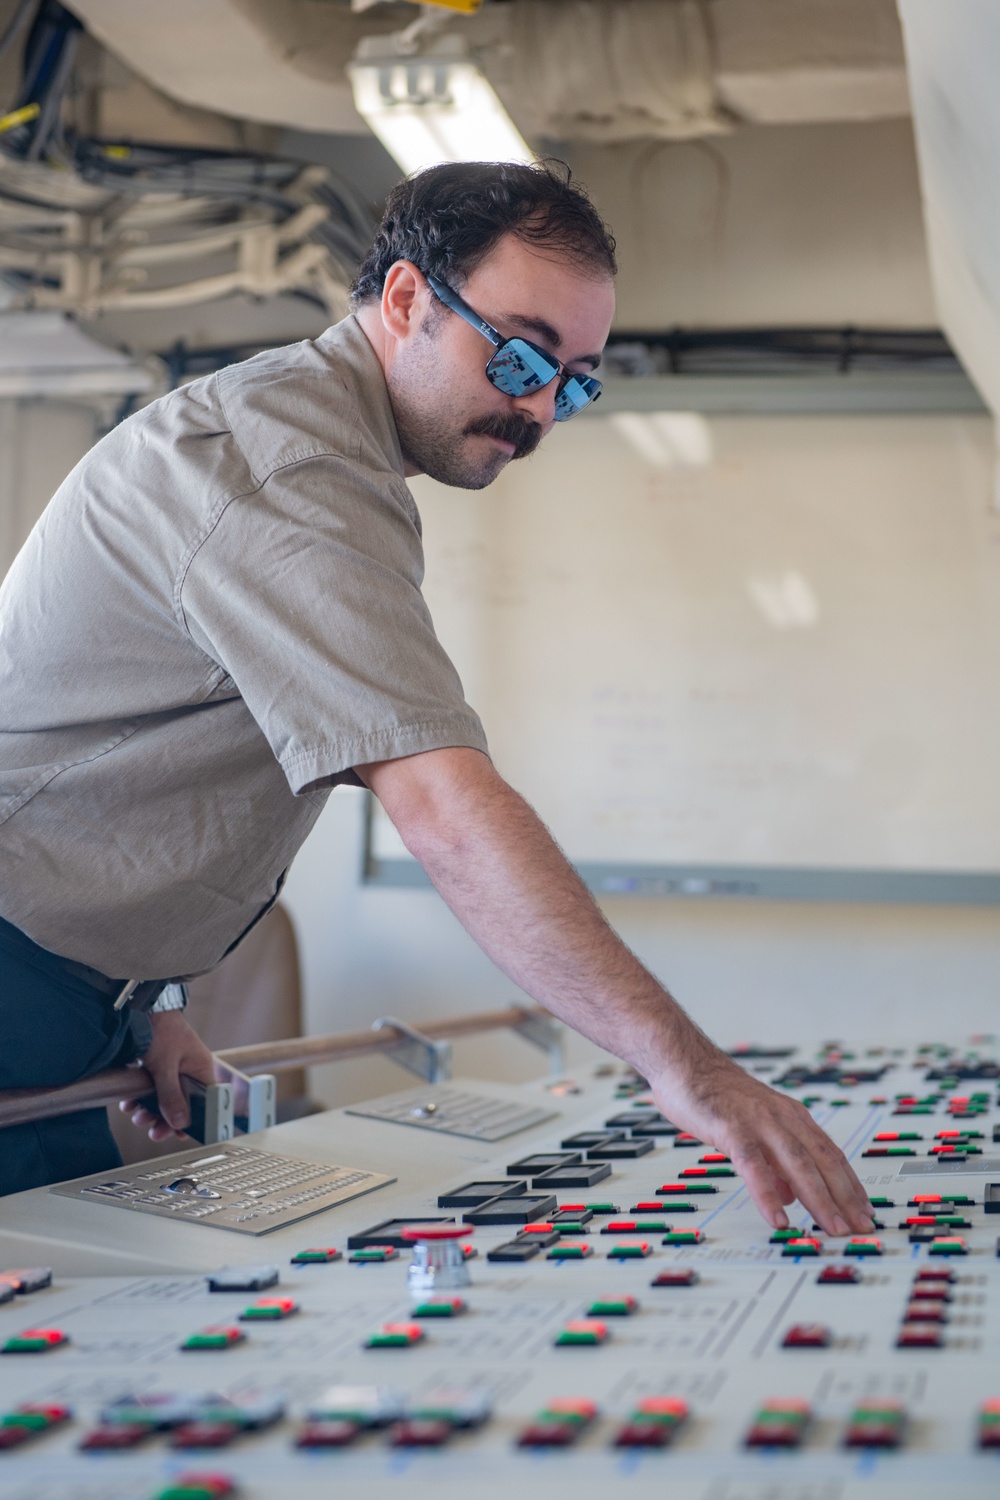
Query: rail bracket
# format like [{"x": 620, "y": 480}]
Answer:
[
  {"x": 546, "y": 1034},
  {"x": 419, "y": 1054}
]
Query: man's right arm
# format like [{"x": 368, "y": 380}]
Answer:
[{"x": 503, "y": 876}]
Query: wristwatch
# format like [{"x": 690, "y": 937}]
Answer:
[{"x": 172, "y": 997}]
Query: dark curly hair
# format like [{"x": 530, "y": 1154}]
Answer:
[{"x": 447, "y": 219}]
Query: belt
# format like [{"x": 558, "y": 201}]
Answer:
[
  {"x": 132, "y": 994},
  {"x": 139, "y": 995}
]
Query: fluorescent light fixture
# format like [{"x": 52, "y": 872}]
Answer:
[
  {"x": 786, "y": 600},
  {"x": 428, "y": 110},
  {"x": 666, "y": 439}
]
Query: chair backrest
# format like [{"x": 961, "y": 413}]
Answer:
[{"x": 255, "y": 995}]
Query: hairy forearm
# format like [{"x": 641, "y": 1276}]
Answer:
[
  {"x": 510, "y": 887},
  {"x": 498, "y": 868}
]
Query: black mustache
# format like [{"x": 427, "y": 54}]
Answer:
[{"x": 521, "y": 431}]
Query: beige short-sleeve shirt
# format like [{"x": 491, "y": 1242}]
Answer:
[{"x": 217, "y": 617}]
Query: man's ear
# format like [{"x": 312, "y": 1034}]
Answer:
[{"x": 405, "y": 300}]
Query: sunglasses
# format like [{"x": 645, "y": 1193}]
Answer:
[{"x": 519, "y": 367}]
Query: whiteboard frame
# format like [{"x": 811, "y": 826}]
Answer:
[{"x": 733, "y": 882}]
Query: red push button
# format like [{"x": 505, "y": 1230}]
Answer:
[
  {"x": 839, "y": 1276},
  {"x": 807, "y": 1336},
  {"x": 414, "y": 1233},
  {"x": 937, "y": 1290},
  {"x": 919, "y": 1336},
  {"x": 926, "y": 1311},
  {"x": 683, "y": 1276},
  {"x": 332, "y": 1433}
]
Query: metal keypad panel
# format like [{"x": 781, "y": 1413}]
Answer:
[
  {"x": 232, "y": 1187},
  {"x": 453, "y": 1111}
]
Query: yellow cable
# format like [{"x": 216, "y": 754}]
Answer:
[
  {"x": 469, "y": 7},
  {"x": 19, "y": 117}
]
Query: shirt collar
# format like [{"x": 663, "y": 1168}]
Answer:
[{"x": 349, "y": 340}]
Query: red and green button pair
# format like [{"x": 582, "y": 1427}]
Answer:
[
  {"x": 35, "y": 1341},
  {"x": 198, "y": 1487},
  {"x": 31, "y": 1420},
  {"x": 653, "y": 1423},
  {"x": 559, "y": 1424}
]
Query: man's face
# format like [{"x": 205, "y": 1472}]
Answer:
[{"x": 453, "y": 424}]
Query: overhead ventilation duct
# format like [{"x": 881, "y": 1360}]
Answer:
[
  {"x": 239, "y": 57},
  {"x": 596, "y": 70},
  {"x": 592, "y": 71}
]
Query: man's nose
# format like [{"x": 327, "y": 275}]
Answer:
[{"x": 540, "y": 405}]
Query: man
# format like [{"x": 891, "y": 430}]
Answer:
[{"x": 219, "y": 618}]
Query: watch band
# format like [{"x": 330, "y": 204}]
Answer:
[{"x": 172, "y": 997}]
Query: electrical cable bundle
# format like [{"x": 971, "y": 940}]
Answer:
[{"x": 47, "y": 167}]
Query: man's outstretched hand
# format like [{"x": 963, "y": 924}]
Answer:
[
  {"x": 773, "y": 1142},
  {"x": 175, "y": 1049},
  {"x": 510, "y": 886}
]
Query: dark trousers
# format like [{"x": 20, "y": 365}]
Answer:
[{"x": 54, "y": 1029}]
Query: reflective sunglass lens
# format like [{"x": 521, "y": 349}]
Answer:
[
  {"x": 576, "y": 393},
  {"x": 518, "y": 367}
]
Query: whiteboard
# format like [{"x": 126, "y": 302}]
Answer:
[{"x": 778, "y": 648}]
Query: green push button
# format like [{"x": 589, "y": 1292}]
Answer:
[
  {"x": 31, "y": 1343},
  {"x": 613, "y": 1307},
  {"x": 569, "y": 1418},
  {"x": 439, "y": 1307},
  {"x": 395, "y": 1336},
  {"x": 883, "y": 1412},
  {"x": 583, "y": 1332},
  {"x": 187, "y": 1492},
  {"x": 214, "y": 1338},
  {"x": 269, "y": 1310},
  {"x": 35, "y": 1421}
]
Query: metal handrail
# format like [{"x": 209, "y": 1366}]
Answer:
[{"x": 19, "y": 1106}]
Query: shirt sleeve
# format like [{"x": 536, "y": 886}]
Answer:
[{"x": 306, "y": 592}]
